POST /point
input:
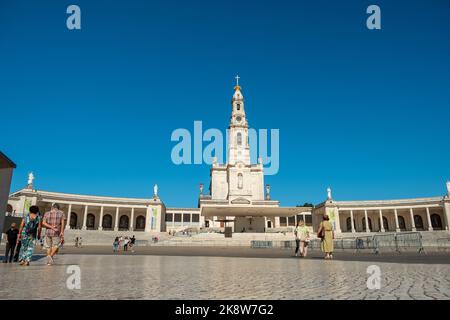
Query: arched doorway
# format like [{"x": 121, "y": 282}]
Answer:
[
  {"x": 269, "y": 224},
  {"x": 140, "y": 223},
  {"x": 401, "y": 223},
  {"x": 124, "y": 222},
  {"x": 418, "y": 221},
  {"x": 364, "y": 224},
  {"x": 73, "y": 220},
  {"x": 9, "y": 209},
  {"x": 385, "y": 224},
  {"x": 436, "y": 221},
  {"x": 107, "y": 222},
  {"x": 90, "y": 221}
]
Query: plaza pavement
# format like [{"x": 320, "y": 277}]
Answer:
[{"x": 226, "y": 273}]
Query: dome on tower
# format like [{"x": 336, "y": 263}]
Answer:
[{"x": 237, "y": 93}]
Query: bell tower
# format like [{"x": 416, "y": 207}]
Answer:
[{"x": 238, "y": 146}]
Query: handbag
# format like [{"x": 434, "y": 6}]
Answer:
[{"x": 321, "y": 234}]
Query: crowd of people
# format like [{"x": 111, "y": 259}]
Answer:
[{"x": 124, "y": 243}]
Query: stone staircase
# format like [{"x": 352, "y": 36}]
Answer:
[
  {"x": 219, "y": 240},
  {"x": 101, "y": 238},
  {"x": 435, "y": 239}
]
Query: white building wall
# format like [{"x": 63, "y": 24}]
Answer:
[
  {"x": 5, "y": 184},
  {"x": 219, "y": 184}
]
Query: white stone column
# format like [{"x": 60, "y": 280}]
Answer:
[
  {"x": 116, "y": 221},
  {"x": 148, "y": 219},
  {"x": 132, "y": 219},
  {"x": 85, "y": 217},
  {"x": 352, "y": 222},
  {"x": 447, "y": 214},
  {"x": 397, "y": 227},
  {"x": 430, "y": 227},
  {"x": 413, "y": 224},
  {"x": 381, "y": 221},
  {"x": 158, "y": 218},
  {"x": 277, "y": 222},
  {"x": 337, "y": 218},
  {"x": 68, "y": 217},
  {"x": 100, "y": 226},
  {"x": 367, "y": 221}
]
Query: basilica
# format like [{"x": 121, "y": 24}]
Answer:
[{"x": 237, "y": 201}]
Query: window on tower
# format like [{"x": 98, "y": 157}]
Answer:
[
  {"x": 239, "y": 138},
  {"x": 240, "y": 181},
  {"x": 238, "y": 106}
]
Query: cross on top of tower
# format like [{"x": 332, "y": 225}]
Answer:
[{"x": 237, "y": 86}]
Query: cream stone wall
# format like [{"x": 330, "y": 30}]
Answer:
[{"x": 5, "y": 182}]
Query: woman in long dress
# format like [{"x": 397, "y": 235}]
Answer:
[
  {"x": 30, "y": 230},
  {"x": 326, "y": 233}
]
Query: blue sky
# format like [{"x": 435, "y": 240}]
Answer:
[{"x": 92, "y": 111}]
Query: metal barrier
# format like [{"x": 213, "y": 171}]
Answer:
[
  {"x": 379, "y": 242},
  {"x": 261, "y": 244},
  {"x": 443, "y": 244},
  {"x": 398, "y": 241}
]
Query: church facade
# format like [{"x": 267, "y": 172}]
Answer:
[{"x": 237, "y": 198}]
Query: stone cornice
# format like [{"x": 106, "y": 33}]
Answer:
[
  {"x": 182, "y": 209},
  {"x": 78, "y": 198},
  {"x": 416, "y": 201}
]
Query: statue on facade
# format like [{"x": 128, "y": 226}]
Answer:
[
  {"x": 329, "y": 193},
  {"x": 201, "y": 188},
  {"x": 30, "y": 180},
  {"x": 267, "y": 191},
  {"x": 448, "y": 188},
  {"x": 155, "y": 191}
]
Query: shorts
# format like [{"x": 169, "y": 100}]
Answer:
[{"x": 51, "y": 242}]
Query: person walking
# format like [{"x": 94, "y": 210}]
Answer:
[
  {"x": 125, "y": 244},
  {"x": 304, "y": 239},
  {"x": 120, "y": 243},
  {"x": 116, "y": 244},
  {"x": 53, "y": 221},
  {"x": 132, "y": 243},
  {"x": 11, "y": 242},
  {"x": 326, "y": 234},
  {"x": 30, "y": 229},
  {"x": 297, "y": 238}
]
